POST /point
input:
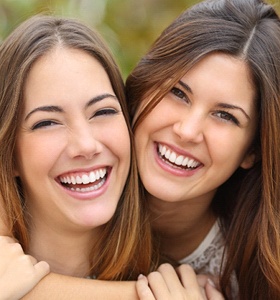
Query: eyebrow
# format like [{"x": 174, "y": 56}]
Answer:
[
  {"x": 230, "y": 106},
  {"x": 185, "y": 86},
  {"x": 54, "y": 108},
  {"x": 222, "y": 105}
]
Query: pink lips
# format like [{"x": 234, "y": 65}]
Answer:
[
  {"x": 176, "y": 161},
  {"x": 85, "y": 185}
]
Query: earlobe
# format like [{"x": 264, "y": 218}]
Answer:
[{"x": 248, "y": 161}]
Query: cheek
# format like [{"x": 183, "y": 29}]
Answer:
[
  {"x": 36, "y": 154},
  {"x": 119, "y": 142},
  {"x": 229, "y": 148}
]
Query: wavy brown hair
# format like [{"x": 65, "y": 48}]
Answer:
[
  {"x": 125, "y": 245},
  {"x": 248, "y": 204}
]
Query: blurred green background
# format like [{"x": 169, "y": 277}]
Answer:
[{"x": 128, "y": 26}]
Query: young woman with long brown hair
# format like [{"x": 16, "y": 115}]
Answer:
[
  {"x": 206, "y": 126},
  {"x": 65, "y": 190}
]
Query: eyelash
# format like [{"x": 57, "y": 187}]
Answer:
[
  {"x": 227, "y": 117},
  {"x": 179, "y": 94},
  {"x": 41, "y": 124},
  {"x": 104, "y": 112}
]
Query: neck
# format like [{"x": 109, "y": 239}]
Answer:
[
  {"x": 66, "y": 252},
  {"x": 180, "y": 226}
]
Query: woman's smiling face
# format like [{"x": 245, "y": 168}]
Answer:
[
  {"x": 73, "y": 147},
  {"x": 200, "y": 132}
]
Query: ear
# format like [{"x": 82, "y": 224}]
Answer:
[{"x": 249, "y": 160}]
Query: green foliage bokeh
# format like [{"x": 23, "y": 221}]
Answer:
[{"x": 128, "y": 26}]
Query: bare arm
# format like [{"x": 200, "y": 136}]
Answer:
[
  {"x": 59, "y": 287},
  {"x": 56, "y": 286}
]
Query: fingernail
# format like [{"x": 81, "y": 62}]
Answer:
[
  {"x": 211, "y": 282},
  {"x": 140, "y": 276}
]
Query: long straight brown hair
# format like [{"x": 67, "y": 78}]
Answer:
[
  {"x": 248, "y": 204},
  {"x": 125, "y": 245}
]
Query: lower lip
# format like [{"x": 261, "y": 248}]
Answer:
[
  {"x": 172, "y": 169},
  {"x": 90, "y": 195}
]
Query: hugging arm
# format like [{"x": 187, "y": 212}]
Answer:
[
  {"x": 59, "y": 287},
  {"x": 21, "y": 274}
]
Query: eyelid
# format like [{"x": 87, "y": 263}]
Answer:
[
  {"x": 43, "y": 124},
  {"x": 232, "y": 118},
  {"x": 105, "y": 112},
  {"x": 176, "y": 90}
]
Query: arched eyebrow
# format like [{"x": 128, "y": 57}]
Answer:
[
  {"x": 55, "y": 108},
  {"x": 221, "y": 105}
]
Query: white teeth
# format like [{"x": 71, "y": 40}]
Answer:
[
  {"x": 172, "y": 157},
  {"x": 185, "y": 161},
  {"x": 179, "y": 160},
  {"x": 167, "y": 154},
  {"x": 85, "y": 178},
  {"x": 162, "y": 149},
  {"x": 190, "y": 163},
  {"x": 92, "y": 177},
  {"x": 73, "y": 180},
  {"x": 79, "y": 180},
  {"x": 89, "y": 189}
]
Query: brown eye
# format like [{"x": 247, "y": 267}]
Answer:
[
  {"x": 227, "y": 117},
  {"x": 178, "y": 93}
]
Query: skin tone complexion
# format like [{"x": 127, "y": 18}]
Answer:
[{"x": 69, "y": 158}]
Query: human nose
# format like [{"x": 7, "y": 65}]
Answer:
[
  {"x": 190, "y": 128},
  {"x": 83, "y": 142}
]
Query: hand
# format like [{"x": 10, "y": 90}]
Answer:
[
  {"x": 166, "y": 284},
  {"x": 19, "y": 272}
]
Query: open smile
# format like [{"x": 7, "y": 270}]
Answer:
[
  {"x": 175, "y": 159},
  {"x": 85, "y": 181}
]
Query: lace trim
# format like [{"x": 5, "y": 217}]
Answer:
[{"x": 207, "y": 257}]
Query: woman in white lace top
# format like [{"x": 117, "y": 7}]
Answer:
[{"x": 205, "y": 105}]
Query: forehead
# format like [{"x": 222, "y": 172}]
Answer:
[{"x": 66, "y": 74}]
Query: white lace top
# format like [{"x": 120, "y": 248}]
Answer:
[{"x": 207, "y": 257}]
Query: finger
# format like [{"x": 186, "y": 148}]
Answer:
[
  {"x": 202, "y": 280},
  {"x": 42, "y": 268},
  {"x": 158, "y": 285},
  {"x": 189, "y": 281},
  {"x": 32, "y": 259},
  {"x": 187, "y": 276},
  {"x": 170, "y": 277},
  {"x": 143, "y": 290},
  {"x": 212, "y": 293}
]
